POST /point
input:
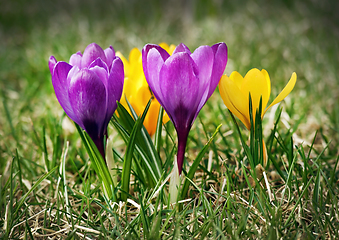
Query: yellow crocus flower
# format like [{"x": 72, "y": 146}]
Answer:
[
  {"x": 234, "y": 91},
  {"x": 136, "y": 89}
]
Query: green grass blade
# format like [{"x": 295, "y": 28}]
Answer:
[
  {"x": 196, "y": 163},
  {"x": 151, "y": 149},
  {"x": 289, "y": 177},
  {"x": 246, "y": 148},
  {"x": 144, "y": 218},
  {"x": 126, "y": 170},
  {"x": 99, "y": 164},
  {"x": 23, "y": 198},
  {"x": 157, "y": 138},
  {"x": 297, "y": 203}
]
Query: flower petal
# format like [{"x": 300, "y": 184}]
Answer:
[
  {"x": 145, "y": 54},
  {"x": 151, "y": 118},
  {"x": 181, "y": 89},
  {"x": 101, "y": 73},
  {"x": 236, "y": 78},
  {"x": 136, "y": 73},
  {"x": 203, "y": 57},
  {"x": 87, "y": 96},
  {"x": 51, "y": 63},
  {"x": 110, "y": 54},
  {"x": 255, "y": 83},
  {"x": 170, "y": 49},
  {"x": 100, "y": 69},
  {"x": 115, "y": 86},
  {"x": 75, "y": 59},
  {"x": 134, "y": 55},
  {"x": 234, "y": 100},
  {"x": 91, "y": 53},
  {"x": 287, "y": 89},
  {"x": 263, "y": 71},
  {"x": 134, "y": 80},
  {"x": 219, "y": 64},
  {"x": 181, "y": 48},
  {"x": 60, "y": 84},
  {"x": 153, "y": 58},
  {"x": 99, "y": 63}
]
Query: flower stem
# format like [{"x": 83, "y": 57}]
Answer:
[
  {"x": 100, "y": 145},
  {"x": 182, "y": 141}
]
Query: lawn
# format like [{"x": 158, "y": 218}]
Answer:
[{"x": 49, "y": 187}]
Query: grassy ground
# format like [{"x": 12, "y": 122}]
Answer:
[{"x": 48, "y": 188}]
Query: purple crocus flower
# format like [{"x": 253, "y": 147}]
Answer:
[
  {"x": 183, "y": 82},
  {"x": 88, "y": 89}
]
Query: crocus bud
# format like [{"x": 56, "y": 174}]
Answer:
[
  {"x": 88, "y": 88},
  {"x": 183, "y": 82},
  {"x": 235, "y": 91}
]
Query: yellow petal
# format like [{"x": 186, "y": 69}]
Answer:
[
  {"x": 134, "y": 55},
  {"x": 263, "y": 71},
  {"x": 151, "y": 118},
  {"x": 237, "y": 79},
  {"x": 165, "y": 118},
  {"x": 140, "y": 99},
  {"x": 287, "y": 89},
  {"x": 170, "y": 49},
  {"x": 234, "y": 100},
  {"x": 124, "y": 61},
  {"x": 164, "y": 45},
  {"x": 123, "y": 98},
  {"x": 255, "y": 82}
]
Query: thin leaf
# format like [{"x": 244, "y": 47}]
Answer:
[
  {"x": 126, "y": 170},
  {"x": 157, "y": 138},
  {"x": 148, "y": 141},
  {"x": 23, "y": 198},
  {"x": 196, "y": 163},
  {"x": 297, "y": 203},
  {"x": 99, "y": 164}
]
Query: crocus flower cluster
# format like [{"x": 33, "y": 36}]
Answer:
[
  {"x": 183, "y": 82},
  {"x": 88, "y": 88},
  {"x": 136, "y": 89}
]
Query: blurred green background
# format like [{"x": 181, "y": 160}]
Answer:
[{"x": 279, "y": 36}]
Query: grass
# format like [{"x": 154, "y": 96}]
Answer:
[{"x": 49, "y": 188}]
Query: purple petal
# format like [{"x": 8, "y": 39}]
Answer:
[
  {"x": 110, "y": 54},
  {"x": 114, "y": 87},
  {"x": 220, "y": 61},
  {"x": 51, "y": 63},
  {"x": 75, "y": 59},
  {"x": 153, "y": 58},
  {"x": 164, "y": 55},
  {"x": 180, "y": 88},
  {"x": 99, "y": 63},
  {"x": 60, "y": 84},
  {"x": 74, "y": 70},
  {"x": 181, "y": 48},
  {"x": 204, "y": 59},
  {"x": 101, "y": 73},
  {"x": 91, "y": 53},
  {"x": 87, "y": 96}
]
